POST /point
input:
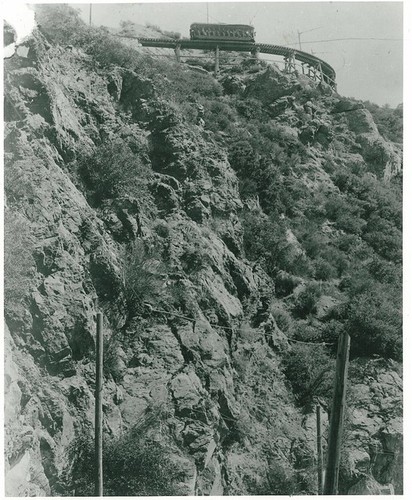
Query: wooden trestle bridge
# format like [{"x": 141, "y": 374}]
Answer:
[{"x": 294, "y": 60}]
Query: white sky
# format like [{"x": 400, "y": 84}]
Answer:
[{"x": 366, "y": 69}]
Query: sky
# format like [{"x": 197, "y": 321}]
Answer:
[{"x": 368, "y": 69}]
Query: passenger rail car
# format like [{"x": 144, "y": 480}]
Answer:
[{"x": 229, "y": 32}]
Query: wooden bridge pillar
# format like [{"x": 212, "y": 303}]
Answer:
[
  {"x": 322, "y": 79},
  {"x": 293, "y": 62},
  {"x": 216, "y": 61},
  {"x": 177, "y": 52},
  {"x": 290, "y": 63},
  {"x": 256, "y": 52},
  {"x": 287, "y": 64}
]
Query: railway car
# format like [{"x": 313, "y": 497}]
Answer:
[{"x": 229, "y": 32}]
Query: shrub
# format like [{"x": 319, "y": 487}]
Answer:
[
  {"x": 60, "y": 22},
  {"x": 324, "y": 270},
  {"x": 385, "y": 272},
  {"x": 374, "y": 322},
  {"x": 306, "y": 300},
  {"x": 113, "y": 170},
  {"x": 219, "y": 115},
  {"x": 335, "y": 258},
  {"x": 250, "y": 108},
  {"x": 281, "y": 480},
  {"x": 265, "y": 240},
  {"x": 178, "y": 84},
  {"x": 388, "y": 120},
  {"x": 345, "y": 214},
  {"x": 285, "y": 283},
  {"x": 195, "y": 257},
  {"x": 132, "y": 466},
  {"x": 281, "y": 316},
  {"x": 306, "y": 331},
  {"x": 141, "y": 277},
  {"x": 384, "y": 238},
  {"x": 281, "y": 134},
  {"x": 331, "y": 330},
  {"x": 309, "y": 369},
  {"x": 242, "y": 157}
]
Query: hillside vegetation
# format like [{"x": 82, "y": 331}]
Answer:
[{"x": 230, "y": 230}]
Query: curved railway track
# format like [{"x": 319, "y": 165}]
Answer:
[{"x": 317, "y": 68}]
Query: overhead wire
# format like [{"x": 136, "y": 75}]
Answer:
[
  {"x": 234, "y": 328},
  {"x": 348, "y": 38}
]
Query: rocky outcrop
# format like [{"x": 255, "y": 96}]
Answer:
[{"x": 373, "y": 446}]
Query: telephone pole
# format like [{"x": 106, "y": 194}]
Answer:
[
  {"x": 98, "y": 436},
  {"x": 90, "y": 15},
  {"x": 337, "y": 416},
  {"x": 319, "y": 449}
]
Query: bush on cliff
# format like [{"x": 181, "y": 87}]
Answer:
[
  {"x": 373, "y": 318},
  {"x": 388, "y": 120},
  {"x": 113, "y": 170},
  {"x": 141, "y": 277},
  {"x": 131, "y": 467},
  {"x": 309, "y": 369},
  {"x": 305, "y": 302}
]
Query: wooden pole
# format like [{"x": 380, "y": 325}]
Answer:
[
  {"x": 319, "y": 449},
  {"x": 177, "y": 52},
  {"x": 337, "y": 415},
  {"x": 300, "y": 43},
  {"x": 90, "y": 15},
  {"x": 293, "y": 61},
  {"x": 216, "y": 61},
  {"x": 98, "y": 488},
  {"x": 256, "y": 53},
  {"x": 322, "y": 79}
]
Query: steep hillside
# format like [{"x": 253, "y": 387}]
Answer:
[{"x": 229, "y": 231}]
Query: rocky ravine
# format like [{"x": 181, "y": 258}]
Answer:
[{"x": 212, "y": 375}]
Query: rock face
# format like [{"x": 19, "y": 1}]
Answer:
[
  {"x": 196, "y": 353},
  {"x": 375, "y": 427}
]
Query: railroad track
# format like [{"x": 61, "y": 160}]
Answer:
[{"x": 317, "y": 69}]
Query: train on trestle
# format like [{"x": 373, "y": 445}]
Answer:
[{"x": 222, "y": 32}]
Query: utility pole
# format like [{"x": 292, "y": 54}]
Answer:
[
  {"x": 319, "y": 449},
  {"x": 300, "y": 44},
  {"x": 90, "y": 15},
  {"x": 177, "y": 52},
  {"x": 98, "y": 436},
  {"x": 337, "y": 416}
]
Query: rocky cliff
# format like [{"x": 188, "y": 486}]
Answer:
[{"x": 128, "y": 199}]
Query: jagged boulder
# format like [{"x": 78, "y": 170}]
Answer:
[{"x": 270, "y": 85}]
